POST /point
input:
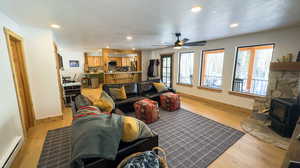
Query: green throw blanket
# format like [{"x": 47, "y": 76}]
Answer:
[{"x": 96, "y": 136}]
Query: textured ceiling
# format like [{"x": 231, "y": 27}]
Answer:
[{"x": 92, "y": 24}]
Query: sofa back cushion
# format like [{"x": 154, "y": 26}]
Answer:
[
  {"x": 118, "y": 93},
  {"x": 147, "y": 87},
  {"x": 131, "y": 89}
]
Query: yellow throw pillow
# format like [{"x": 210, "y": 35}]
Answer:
[
  {"x": 160, "y": 87},
  {"x": 105, "y": 103},
  {"x": 130, "y": 129},
  {"x": 118, "y": 93},
  {"x": 134, "y": 129}
]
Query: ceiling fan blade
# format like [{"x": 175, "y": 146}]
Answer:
[
  {"x": 185, "y": 40},
  {"x": 160, "y": 45},
  {"x": 196, "y": 43}
]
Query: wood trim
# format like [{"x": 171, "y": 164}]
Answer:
[
  {"x": 26, "y": 105},
  {"x": 259, "y": 47},
  {"x": 59, "y": 82},
  {"x": 210, "y": 89},
  {"x": 185, "y": 85},
  {"x": 285, "y": 66},
  {"x": 204, "y": 62},
  {"x": 250, "y": 68},
  {"x": 217, "y": 104},
  {"x": 246, "y": 95},
  {"x": 49, "y": 119},
  {"x": 203, "y": 68}
]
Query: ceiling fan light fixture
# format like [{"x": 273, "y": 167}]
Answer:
[{"x": 177, "y": 47}]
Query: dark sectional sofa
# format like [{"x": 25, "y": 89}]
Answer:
[
  {"x": 135, "y": 92},
  {"x": 125, "y": 149}
]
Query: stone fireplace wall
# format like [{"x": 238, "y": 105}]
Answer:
[{"x": 281, "y": 84}]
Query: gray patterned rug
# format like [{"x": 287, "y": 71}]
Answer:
[{"x": 190, "y": 140}]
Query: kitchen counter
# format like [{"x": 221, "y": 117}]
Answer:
[
  {"x": 122, "y": 77},
  {"x": 123, "y": 72}
]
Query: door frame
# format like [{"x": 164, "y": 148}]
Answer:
[
  {"x": 22, "y": 105},
  {"x": 59, "y": 78},
  {"x": 161, "y": 66}
]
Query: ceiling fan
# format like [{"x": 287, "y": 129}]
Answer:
[{"x": 183, "y": 43}]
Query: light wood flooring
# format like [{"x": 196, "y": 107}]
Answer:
[{"x": 248, "y": 152}]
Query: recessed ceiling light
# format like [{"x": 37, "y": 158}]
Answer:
[
  {"x": 133, "y": 48},
  {"x": 128, "y": 37},
  {"x": 233, "y": 25},
  {"x": 196, "y": 9},
  {"x": 55, "y": 26}
]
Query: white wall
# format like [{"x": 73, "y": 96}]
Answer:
[
  {"x": 67, "y": 55},
  {"x": 286, "y": 41},
  {"x": 41, "y": 67},
  {"x": 10, "y": 123}
]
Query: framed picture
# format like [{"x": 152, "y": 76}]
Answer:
[{"x": 74, "y": 63}]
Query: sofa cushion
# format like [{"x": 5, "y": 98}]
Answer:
[
  {"x": 160, "y": 87},
  {"x": 152, "y": 95},
  {"x": 118, "y": 93},
  {"x": 146, "y": 87},
  {"x": 129, "y": 100},
  {"x": 105, "y": 102},
  {"x": 134, "y": 129},
  {"x": 130, "y": 88}
]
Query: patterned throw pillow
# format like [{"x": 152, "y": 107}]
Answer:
[
  {"x": 160, "y": 87},
  {"x": 118, "y": 93},
  {"x": 134, "y": 129}
]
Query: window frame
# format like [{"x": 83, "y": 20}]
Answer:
[
  {"x": 201, "y": 69},
  {"x": 251, "y": 95},
  {"x": 179, "y": 60}
]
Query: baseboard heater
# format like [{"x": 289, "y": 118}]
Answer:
[{"x": 12, "y": 155}]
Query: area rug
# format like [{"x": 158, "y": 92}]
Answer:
[
  {"x": 259, "y": 128},
  {"x": 190, "y": 140}
]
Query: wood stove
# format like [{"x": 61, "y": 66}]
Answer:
[{"x": 284, "y": 114}]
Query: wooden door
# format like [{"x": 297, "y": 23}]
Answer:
[
  {"x": 166, "y": 69},
  {"x": 15, "y": 47}
]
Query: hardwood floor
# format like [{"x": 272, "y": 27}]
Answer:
[{"x": 248, "y": 152}]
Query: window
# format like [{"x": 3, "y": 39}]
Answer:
[
  {"x": 186, "y": 68},
  {"x": 252, "y": 69},
  {"x": 212, "y": 68}
]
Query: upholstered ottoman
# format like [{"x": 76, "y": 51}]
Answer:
[
  {"x": 170, "y": 101},
  {"x": 146, "y": 110}
]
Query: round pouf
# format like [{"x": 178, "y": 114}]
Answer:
[{"x": 170, "y": 101}]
